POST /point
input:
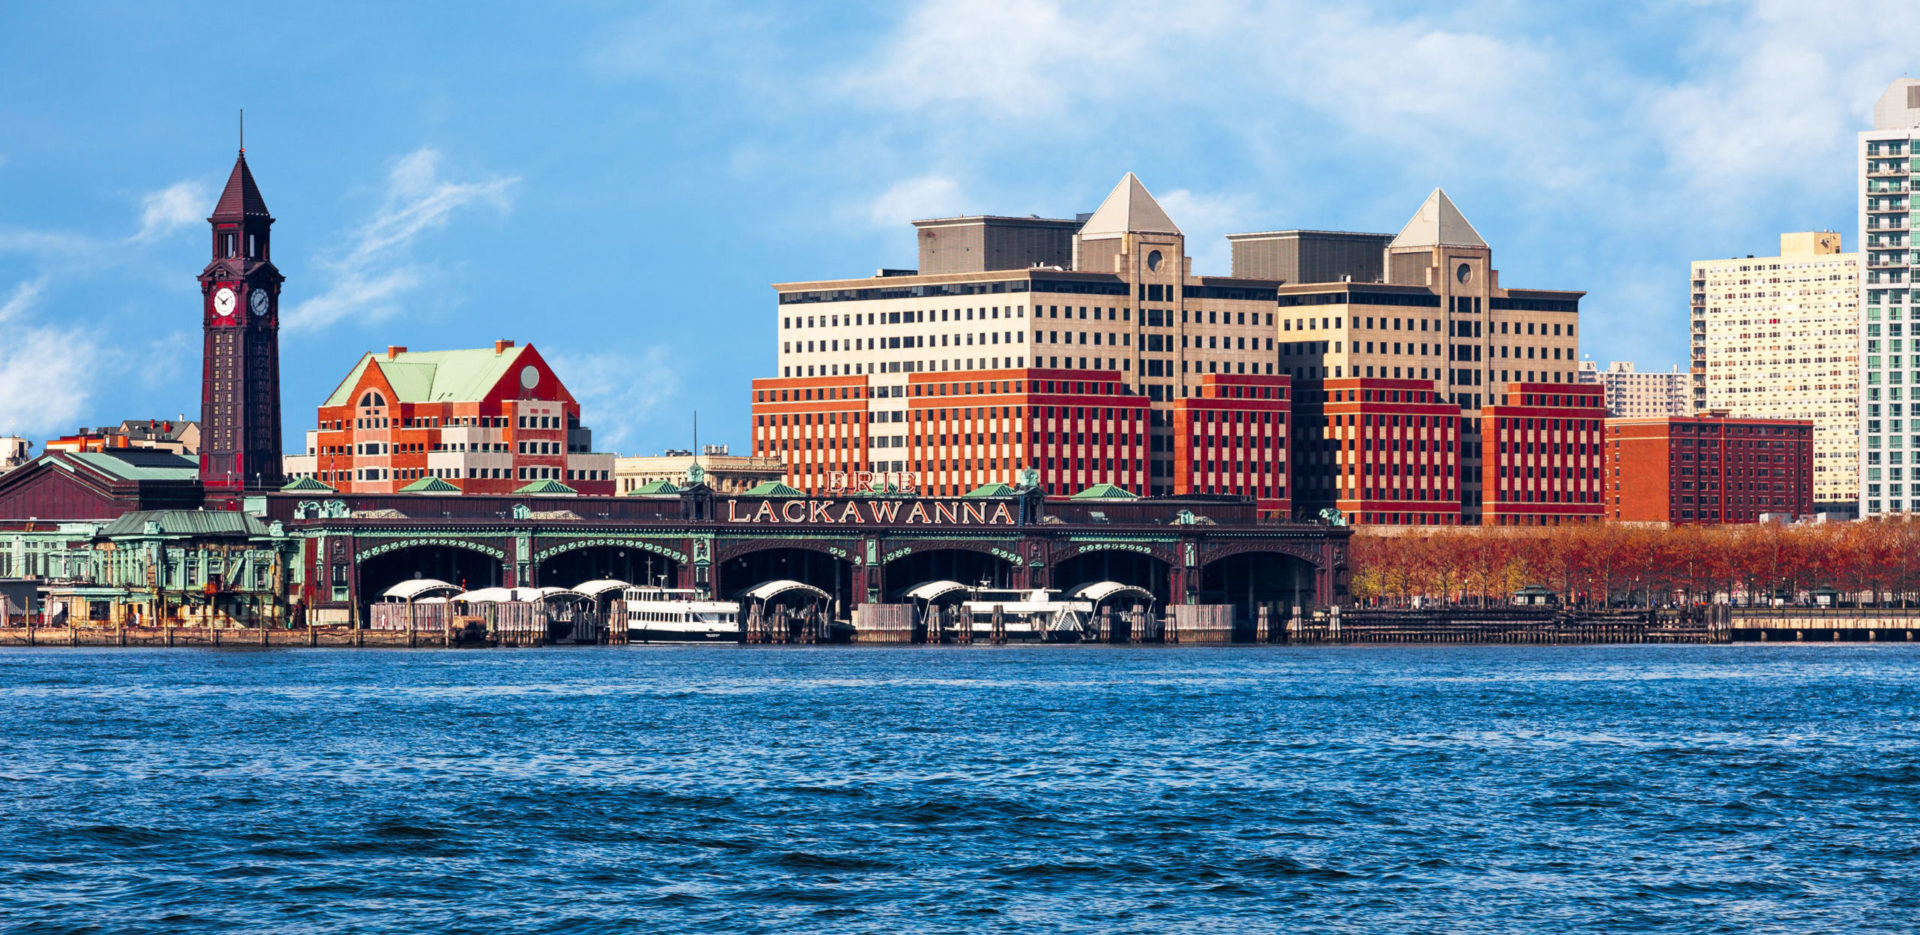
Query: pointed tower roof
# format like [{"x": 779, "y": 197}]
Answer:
[
  {"x": 1127, "y": 210},
  {"x": 241, "y": 197},
  {"x": 1438, "y": 222}
]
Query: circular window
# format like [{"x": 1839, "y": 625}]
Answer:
[
  {"x": 530, "y": 376},
  {"x": 1463, "y": 273},
  {"x": 1153, "y": 260}
]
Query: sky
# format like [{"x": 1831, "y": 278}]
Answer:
[{"x": 618, "y": 184}]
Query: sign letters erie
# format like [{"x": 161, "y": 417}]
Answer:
[{"x": 800, "y": 511}]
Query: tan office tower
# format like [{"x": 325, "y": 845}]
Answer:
[
  {"x": 1640, "y": 394},
  {"x": 1442, "y": 317},
  {"x": 1125, "y": 302},
  {"x": 1889, "y": 435},
  {"x": 1777, "y": 337}
]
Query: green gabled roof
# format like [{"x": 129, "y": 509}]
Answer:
[
  {"x": 430, "y": 485},
  {"x": 306, "y": 485},
  {"x": 774, "y": 488},
  {"x": 433, "y": 376},
  {"x": 187, "y": 523},
  {"x": 1105, "y": 492},
  {"x": 549, "y": 487},
  {"x": 654, "y": 489},
  {"x": 992, "y": 490},
  {"x": 138, "y": 464}
]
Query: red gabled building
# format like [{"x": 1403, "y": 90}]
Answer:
[
  {"x": 1231, "y": 438},
  {"x": 484, "y": 420},
  {"x": 1380, "y": 451},
  {"x": 1540, "y": 455},
  {"x": 1711, "y": 468}
]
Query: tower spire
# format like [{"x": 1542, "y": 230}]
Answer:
[{"x": 243, "y": 130}]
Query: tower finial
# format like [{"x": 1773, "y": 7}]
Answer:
[{"x": 243, "y": 129}]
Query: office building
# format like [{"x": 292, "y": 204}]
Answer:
[
  {"x": 1441, "y": 316},
  {"x": 1541, "y": 457},
  {"x": 1379, "y": 451},
  {"x": 1126, "y": 313},
  {"x": 1889, "y": 372},
  {"x": 1640, "y": 393},
  {"x": 485, "y": 420},
  {"x": 1297, "y": 256},
  {"x": 1778, "y": 337},
  {"x": 1710, "y": 468}
]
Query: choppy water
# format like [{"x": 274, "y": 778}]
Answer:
[{"x": 1499, "y": 789}]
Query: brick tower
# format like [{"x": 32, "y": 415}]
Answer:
[{"x": 240, "y": 369}]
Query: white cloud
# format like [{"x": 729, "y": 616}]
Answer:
[
  {"x": 376, "y": 269},
  {"x": 46, "y": 374},
  {"x": 923, "y": 196},
  {"x": 618, "y": 393},
  {"x": 171, "y": 208},
  {"x": 1207, "y": 219}
]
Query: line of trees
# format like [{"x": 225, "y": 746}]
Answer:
[{"x": 1612, "y": 564}]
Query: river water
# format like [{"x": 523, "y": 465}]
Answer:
[{"x": 1445, "y": 789}]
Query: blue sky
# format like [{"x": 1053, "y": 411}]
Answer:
[{"x": 619, "y": 183}]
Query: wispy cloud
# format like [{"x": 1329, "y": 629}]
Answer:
[
  {"x": 376, "y": 268},
  {"x": 172, "y": 208},
  {"x": 923, "y": 196},
  {"x": 46, "y": 374},
  {"x": 618, "y": 393}
]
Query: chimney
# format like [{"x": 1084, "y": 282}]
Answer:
[
  {"x": 500, "y": 346},
  {"x": 395, "y": 350}
]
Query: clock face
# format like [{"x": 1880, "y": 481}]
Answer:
[
  {"x": 258, "y": 301},
  {"x": 223, "y": 302}
]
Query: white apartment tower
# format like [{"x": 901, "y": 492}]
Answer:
[
  {"x": 1889, "y": 432},
  {"x": 1640, "y": 394},
  {"x": 1778, "y": 337}
]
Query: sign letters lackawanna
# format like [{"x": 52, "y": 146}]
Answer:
[{"x": 865, "y": 512}]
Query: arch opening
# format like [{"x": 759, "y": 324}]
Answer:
[
  {"x": 1134, "y": 568},
  {"x": 973, "y": 569},
  {"x": 1252, "y": 579},
  {"x": 465, "y": 569},
  {"x": 807, "y": 566},
  {"x": 596, "y": 562}
]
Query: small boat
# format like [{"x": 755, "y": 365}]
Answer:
[
  {"x": 679, "y": 615},
  {"x": 1029, "y": 614}
]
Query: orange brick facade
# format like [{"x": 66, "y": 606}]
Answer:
[
  {"x": 1379, "y": 451},
  {"x": 1231, "y": 438},
  {"x": 1707, "y": 469},
  {"x": 1540, "y": 455}
]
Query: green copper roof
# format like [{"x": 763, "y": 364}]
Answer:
[
  {"x": 433, "y": 376},
  {"x": 306, "y": 485},
  {"x": 774, "y": 488},
  {"x": 548, "y": 487},
  {"x": 992, "y": 490},
  {"x": 654, "y": 489},
  {"x": 430, "y": 485},
  {"x": 1105, "y": 492},
  {"x": 186, "y": 523},
  {"x": 138, "y": 464}
]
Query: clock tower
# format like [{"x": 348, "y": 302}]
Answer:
[{"x": 240, "y": 368}]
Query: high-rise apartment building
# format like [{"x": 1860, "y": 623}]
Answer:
[
  {"x": 1778, "y": 337},
  {"x": 1441, "y": 317},
  {"x": 1889, "y": 437},
  {"x": 1640, "y": 393}
]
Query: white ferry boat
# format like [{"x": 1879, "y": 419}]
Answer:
[
  {"x": 678, "y": 615},
  {"x": 1029, "y": 614}
]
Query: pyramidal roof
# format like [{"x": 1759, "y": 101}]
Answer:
[
  {"x": 435, "y": 376},
  {"x": 241, "y": 197},
  {"x": 1438, "y": 222},
  {"x": 1127, "y": 210}
]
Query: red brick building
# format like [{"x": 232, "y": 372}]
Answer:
[
  {"x": 1380, "y": 451},
  {"x": 818, "y": 425},
  {"x": 1540, "y": 455},
  {"x": 486, "y": 421},
  {"x": 1707, "y": 469},
  {"x": 1231, "y": 438}
]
